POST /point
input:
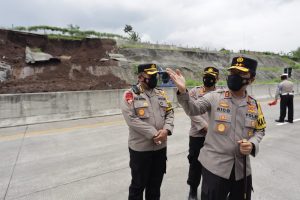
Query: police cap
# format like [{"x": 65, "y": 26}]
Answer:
[
  {"x": 211, "y": 71},
  {"x": 244, "y": 64},
  {"x": 148, "y": 68}
]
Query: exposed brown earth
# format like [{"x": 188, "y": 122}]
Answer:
[{"x": 56, "y": 76}]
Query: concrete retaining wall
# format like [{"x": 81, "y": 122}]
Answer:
[{"x": 21, "y": 109}]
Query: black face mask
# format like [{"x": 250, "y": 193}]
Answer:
[
  {"x": 151, "y": 82},
  {"x": 209, "y": 81},
  {"x": 235, "y": 82}
]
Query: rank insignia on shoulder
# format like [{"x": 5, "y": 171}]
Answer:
[{"x": 128, "y": 97}]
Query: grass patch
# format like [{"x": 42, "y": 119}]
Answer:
[
  {"x": 270, "y": 69},
  {"x": 192, "y": 83},
  {"x": 63, "y": 37}
]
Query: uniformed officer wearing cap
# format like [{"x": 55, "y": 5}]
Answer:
[
  {"x": 286, "y": 92},
  {"x": 236, "y": 127},
  {"x": 198, "y": 130},
  {"x": 149, "y": 116}
]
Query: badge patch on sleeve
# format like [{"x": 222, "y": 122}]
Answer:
[
  {"x": 141, "y": 112},
  {"x": 261, "y": 122}
]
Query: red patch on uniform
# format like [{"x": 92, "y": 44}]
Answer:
[{"x": 128, "y": 96}]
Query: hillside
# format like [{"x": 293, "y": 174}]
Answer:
[{"x": 92, "y": 63}]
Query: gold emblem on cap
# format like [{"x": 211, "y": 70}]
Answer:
[
  {"x": 240, "y": 59},
  {"x": 153, "y": 66},
  {"x": 141, "y": 112},
  {"x": 210, "y": 69},
  {"x": 221, "y": 128}
]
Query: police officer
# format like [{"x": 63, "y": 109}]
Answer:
[
  {"x": 286, "y": 92},
  {"x": 149, "y": 116},
  {"x": 236, "y": 127},
  {"x": 198, "y": 130}
]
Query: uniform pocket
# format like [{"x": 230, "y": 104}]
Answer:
[
  {"x": 222, "y": 123},
  {"x": 163, "y": 107},
  {"x": 249, "y": 128},
  {"x": 141, "y": 109}
]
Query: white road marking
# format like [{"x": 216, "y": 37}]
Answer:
[{"x": 280, "y": 124}]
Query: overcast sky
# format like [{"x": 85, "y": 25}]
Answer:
[{"x": 260, "y": 25}]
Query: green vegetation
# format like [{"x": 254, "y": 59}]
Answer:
[
  {"x": 192, "y": 83},
  {"x": 291, "y": 62},
  {"x": 135, "y": 68},
  {"x": 270, "y": 69},
  {"x": 134, "y": 36},
  {"x": 296, "y": 55},
  {"x": 225, "y": 51},
  {"x": 72, "y": 32}
]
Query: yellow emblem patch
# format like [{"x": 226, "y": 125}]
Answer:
[
  {"x": 153, "y": 66},
  {"x": 240, "y": 59},
  {"x": 261, "y": 122},
  {"x": 210, "y": 69},
  {"x": 141, "y": 112},
  {"x": 221, "y": 128},
  {"x": 145, "y": 104}
]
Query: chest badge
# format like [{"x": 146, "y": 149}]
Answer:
[{"x": 221, "y": 128}]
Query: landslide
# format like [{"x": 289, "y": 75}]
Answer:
[
  {"x": 75, "y": 71},
  {"x": 101, "y": 64}
]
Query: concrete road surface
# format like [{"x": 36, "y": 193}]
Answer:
[{"x": 88, "y": 159}]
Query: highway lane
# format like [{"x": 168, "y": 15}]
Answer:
[{"x": 88, "y": 159}]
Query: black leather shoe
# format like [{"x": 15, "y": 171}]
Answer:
[
  {"x": 193, "y": 194},
  {"x": 276, "y": 120},
  {"x": 289, "y": 121}
]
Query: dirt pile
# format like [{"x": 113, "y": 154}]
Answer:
[{"x": 71, "y": 74}]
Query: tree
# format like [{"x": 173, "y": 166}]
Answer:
[
  {"x": 133, "y": 36},
  {"x": 128, "y": 28}
]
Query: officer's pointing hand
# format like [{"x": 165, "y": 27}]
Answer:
[
  {"x": 178, "y": 79},
  {"x": 245, "y": 146}
]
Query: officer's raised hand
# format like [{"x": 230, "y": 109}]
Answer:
[{"x": 178, "y": 79}]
